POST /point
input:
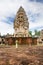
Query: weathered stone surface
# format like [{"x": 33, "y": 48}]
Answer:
[
  {"x": 24, "y": 55},
  {"x": 21, "y": 24}
]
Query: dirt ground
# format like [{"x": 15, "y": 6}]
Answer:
[{"x": 23, "y": 55}]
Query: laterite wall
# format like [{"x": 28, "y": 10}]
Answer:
[{"x": 21, "y": 40}]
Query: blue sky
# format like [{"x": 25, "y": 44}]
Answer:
[{"x": 9, "y": 8}]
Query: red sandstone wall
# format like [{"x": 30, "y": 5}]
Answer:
[
  {"x": 22, "y": 40},
  {"x": 35, "y": 41}
]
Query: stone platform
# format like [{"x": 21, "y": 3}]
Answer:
[{"x": 23, "y": 55}]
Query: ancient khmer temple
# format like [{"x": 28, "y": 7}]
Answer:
[
  {"x": 21, "y": 24},
  {"x": 21, "y": 27},
  {"x": 40, "y": 38}
]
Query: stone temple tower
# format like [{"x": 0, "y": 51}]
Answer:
[{"x": 21, "y": 24}]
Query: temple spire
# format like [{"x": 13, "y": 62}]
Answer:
[
  {"x": 21, "y": 9},
  {"x": 21, "y": 23}
]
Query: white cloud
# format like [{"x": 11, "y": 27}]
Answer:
[
  {"x": 6, "y": 28},
  {"x": 9, "y": 7}
]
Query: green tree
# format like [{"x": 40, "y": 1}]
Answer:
[
  {"x": 30, "y": 33},
  {"x": 37, "y": 33}
]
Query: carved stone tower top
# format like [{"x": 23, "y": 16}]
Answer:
[{"x": 21, "y": 24}]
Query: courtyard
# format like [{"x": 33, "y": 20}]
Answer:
[{"x": 23, "y": 55}]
